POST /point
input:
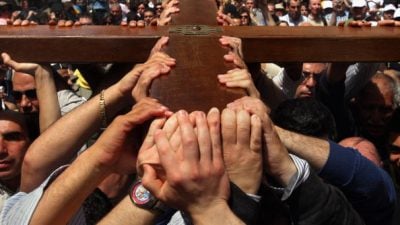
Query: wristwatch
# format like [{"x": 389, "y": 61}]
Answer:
[{"x": 142, "y": 198}]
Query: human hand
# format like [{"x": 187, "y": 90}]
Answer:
[
  {"x": 242, "y": 148},
  {"x": 277, "y": 161},
  {"x": 170, "y": 8},
  {"x": 195, "y": 176},
  {"x": 239, "y": 78},
  {"x": 224, "y": 19},
  {"x": 116, "y": 151},
  {"x": 157, "y": 64},
  {"x": 235, "y": 44},
  {"x": 29, "y": 68},
  {"x": 251, "y": 105}
]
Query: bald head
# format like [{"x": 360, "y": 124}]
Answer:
[{"x": 365, "y": 147}]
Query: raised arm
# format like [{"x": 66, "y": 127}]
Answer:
[
  {"x": 45, "y": 90},
  {"x": 61, "y": 141}
]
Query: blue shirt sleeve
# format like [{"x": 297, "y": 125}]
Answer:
[{"x": 368, "y": 187}]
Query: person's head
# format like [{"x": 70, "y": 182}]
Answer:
[
  {"x": 294, "y": 9},
  {"x": 388, "y": 12},
  {"x": 315, "y": 7},
  {"x": 250, "y": 4},
  {"x": 115, "y": 10},
  {"x": 375, "y": 105},
  {"x": 365, "y": 147},
  {"x": 304, "y": 9},
  {"x": 327, "y": 7},
  {"x": 373, "y": 8},
  {"x": 244, "y": 15},
  {"x": 279, "y": 9},
  {"x": 338, "y": 6},
  {"x": 359, "y": 9},
  {"x": 140, "y": 8},
  {"x": 306, "y": 116},
  {"x": 159, "y": 9},
  {"x": 24, "y": 92},
  {"x": 271, "y": 7},
  {"x": 14, "y": 141},
  {"x": 148, "y": 16},
  {"x": 311, "y": 73},
  {"x": 85, "y": 19}
]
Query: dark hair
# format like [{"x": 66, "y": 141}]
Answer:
[{"x": 306, "y": 116}]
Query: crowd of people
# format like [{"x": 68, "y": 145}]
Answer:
[
  {"x": 238, "y": 12},
  {"x": 310, "y": 144}
]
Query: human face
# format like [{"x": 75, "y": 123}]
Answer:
[
  {"x": 304, "y": 10},
  {"x": 315, "y": 7},
  {"x": 375, "y": 107},
  {"x": 311, "y": 73},
  {"x": 159, "y": 10},
  {"x": 338, "y": 6},
  {"x": 22, "y": 83},
  {"x": 388, "y": 15},
  {"x": 249, "y": 4},
  {"x": 116, "y": 11},
  {"x": 148, "y": 17},
  {"x": 359, "y": 13},
  {"x": 13, "y": 145},
  {"x": 294, "y": 9},
  {"x": 244, "y": 19},
  {"x": 141, "y": 8}
]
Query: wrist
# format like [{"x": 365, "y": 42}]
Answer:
[{"x": 213, "y": 213}]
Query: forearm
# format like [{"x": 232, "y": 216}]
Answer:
[
  {"x": 127, "y": 213},
  {"x": 48, "y": 101},
  {"x": 65, "y": 195},
  {"x": 315, "y": 151},
  {"x": 60, "y": 142}
]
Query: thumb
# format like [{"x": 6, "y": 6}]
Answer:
[{"x": 150, "y": 180}]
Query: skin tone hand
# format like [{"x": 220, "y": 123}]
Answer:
[
  {"x": 196, "y": 181},
  {"x": 45, "y": 89},
  {"x": 223, "y": 19},
  {"x": 238, "y": 77},
  {"x": 170, "y": 8},
  {"x": 116, "y": 140},
  {"x": 242, "y": 144},
  {"x": 29, "y": 68},
  {"x": 276, "y": 158},
  {"x": 112, "y": 152},
  {"x": 158, "y": 63}
]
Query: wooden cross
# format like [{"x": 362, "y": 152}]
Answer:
[{"x": 194, "y": 34}]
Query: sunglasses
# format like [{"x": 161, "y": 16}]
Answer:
[
  {"x": 307, "y": 75},
  {"x": 12, "y": 136},
  {"x": 394, "y": 149},
  {"x": 31, "y": 94}
]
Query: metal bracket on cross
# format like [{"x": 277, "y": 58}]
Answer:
[{"x": 194, "y": 30}]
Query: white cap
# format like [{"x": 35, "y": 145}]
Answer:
[
  {"x": 359, "y": 3},
  {"x": 389, "y": 7},
  {"x": 396, "y": 13},
  {"x": 279, "y": 6},
  {"x": 327, "y": 4}
]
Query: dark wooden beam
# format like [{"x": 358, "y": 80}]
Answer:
[
  {"x": 322, "y": 44},
  {"x": 79, "y": 44},
  {"x": 261, "y": 44}
]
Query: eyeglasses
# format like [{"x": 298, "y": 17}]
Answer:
[
  {"x": 12, "y": 136},
  {"x": 307, "y": 75},
  {"x": 31, "y": 94}
]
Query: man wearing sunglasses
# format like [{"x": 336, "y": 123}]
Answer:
[
  {"x": 14, "y": 141},
  {"x": 24, "y": 92}
]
